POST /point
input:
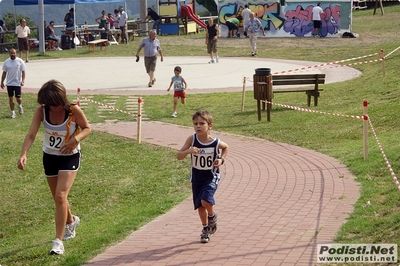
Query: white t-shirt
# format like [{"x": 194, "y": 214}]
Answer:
[
  {"x": 316, "y": 13},
  {"x": 246, "y": 15},
  {"x": 14, "y": 70},
  {"x": 122, "y": 19}
]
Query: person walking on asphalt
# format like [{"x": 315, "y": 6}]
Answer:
[{"x": 151, "y": 47}]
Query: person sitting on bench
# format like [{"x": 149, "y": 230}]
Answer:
[{"x": 51, "y": 36}]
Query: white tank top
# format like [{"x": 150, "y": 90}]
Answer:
[{"x": 54, "y": 136}]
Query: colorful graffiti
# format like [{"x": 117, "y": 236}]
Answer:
[
  {"x": 299, "y": 21},
  {"x": 281, "y": 21}
]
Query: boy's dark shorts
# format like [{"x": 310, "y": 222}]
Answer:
[{"x": 205, "y": 192}]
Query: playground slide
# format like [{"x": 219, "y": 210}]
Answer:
[{"x": 187, "y": 11}]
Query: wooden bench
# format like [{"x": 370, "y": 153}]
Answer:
[
  {"x": 101, "y": 42},
  {"x": 299, "y": 79},
  {"x": 266, "y": 86}
]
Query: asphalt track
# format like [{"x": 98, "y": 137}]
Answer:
[{"x": 122, "y": 75}]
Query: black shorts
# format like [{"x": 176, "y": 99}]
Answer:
[
  {"x": 14, "y": 90},
  {"x": 55, "y": 163},
  {"x": 317, "y": 24},
  {"x": 231, "y": 26}
]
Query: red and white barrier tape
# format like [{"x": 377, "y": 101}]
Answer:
[
  {"x": 326, "y": 64},
  {"x": 384, "y": 156},
  {"x": 109, "y": 107},
  {"x": 391, "y": 52}
]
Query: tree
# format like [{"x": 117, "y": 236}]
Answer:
[
  {"x": 11, "y": 24},
  {"x": 210, "y": 5}
]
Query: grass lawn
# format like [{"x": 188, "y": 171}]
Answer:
[{"x": 118, "y": 189}]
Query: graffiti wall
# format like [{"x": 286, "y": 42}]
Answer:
[{"x": 293, "y": 19}]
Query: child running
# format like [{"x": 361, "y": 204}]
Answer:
[
  {"x": 207, "y": 154},
  {"x": 180, "y": 87}
]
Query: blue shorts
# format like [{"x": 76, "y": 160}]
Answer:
[
  {"x": 54, "y": 163},
  {"x": 205, "y": 192}
]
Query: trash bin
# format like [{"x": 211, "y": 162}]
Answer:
[
  {"x": 104, "y": 35},
  {"x": 260, "y": 82},
  {"x": 262, "y": 87},
  {"x": 65, "y": 41}
]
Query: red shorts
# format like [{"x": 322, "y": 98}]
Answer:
[{"x": 180, "y": 94}]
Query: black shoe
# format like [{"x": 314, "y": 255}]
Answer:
[{"x": 252, "y": 54}]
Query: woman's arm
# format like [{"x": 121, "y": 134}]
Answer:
[
  {"x": 30, "y": 137},
  {"x": 82, "y": 122}
]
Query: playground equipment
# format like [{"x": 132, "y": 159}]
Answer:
[{"x": 171, "y": 12}]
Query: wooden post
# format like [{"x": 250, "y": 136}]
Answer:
[
  {"x": 257, "y": 94},
  {"x": 243, "y": 92},
  {"x": 365, "y": 129},
  {"x": 78, "y": 96},
  {"x": 269, "y": 97},
  {"x": 382, "y": 55},
  {"x": 139, "y": 120}
]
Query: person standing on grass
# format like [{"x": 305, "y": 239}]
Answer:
[
  {"x": 246, "y": 17},
  {"x": 22, "y": 32},
  {"x": 69, "y": 19},
  {"x": 14, "y": 70},
  {"x": 122, "y": 24},
  {"x": 233, "y": 27},
  {"x": 207, "y": 154},
  {"x": 180, "y": 87},
  {"x": 316, "y": 15},
  {"x": 155, "y": 17},
  {"x": 151, "y": 47},
  {"x": 212, "y": 33},
  {"x": 252, "y": 28},
  {"x": 65, "y": 125}
]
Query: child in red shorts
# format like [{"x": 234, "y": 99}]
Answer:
[{"x": 180, "y": 87}]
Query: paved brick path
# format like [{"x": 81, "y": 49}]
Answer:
[{"x": 275, "y": 203}]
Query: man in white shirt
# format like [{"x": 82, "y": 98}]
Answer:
[
  {"x": 22, "y": 32},
  {"x": 123, "y": 25},
  {"x": 316, "y": 15},
  {"x": 246, "y": 17},
  {"x": 14, "y": 70}
]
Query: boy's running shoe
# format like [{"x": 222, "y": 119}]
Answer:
[{"x": 204, "y": 237}]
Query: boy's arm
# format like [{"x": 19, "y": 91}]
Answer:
[
  {"x": 170, "y": 84},
  {"x": 224, "y": 152},
  {"x": 187, "y": 149},
  {"x": 184, "y": 82}
]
